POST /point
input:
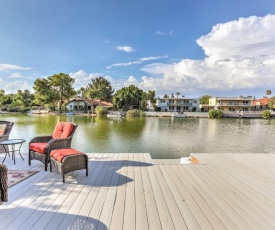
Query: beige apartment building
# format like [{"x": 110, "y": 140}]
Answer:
[{"x": 231, "y": 104}]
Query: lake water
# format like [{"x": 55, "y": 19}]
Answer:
[{"x": 161, "y": 137}]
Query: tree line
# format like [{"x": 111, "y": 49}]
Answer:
[{"x": 54, "y": 91}]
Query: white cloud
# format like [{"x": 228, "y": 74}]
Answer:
[
  {"x": 12, "y": 79},
  {"x": 125, "y": 48},
  {"x": 138, "y": 61},
  {"x": 15, "y": 75},
  {"x": 12, "y": 87},
  {"x": 131, "y": 80},
  {"x": 19, "y": 75},
  {"x": 240, "y": 57},
  {"x": 5, "y": 67},
  {"x": 159, "y": 33},
  {"x": 82, "y": 79},
  {"x": 171, "y": 33},
  {"x": 244, "y": 38}
]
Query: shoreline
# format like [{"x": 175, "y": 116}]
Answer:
[{"x": 251, "y": 115}]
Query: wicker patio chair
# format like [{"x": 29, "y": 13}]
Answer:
[
  {"x": 3, "y": 183},
  {"x": 40, "y": 147},
  {"x": 5, "y": 129}
]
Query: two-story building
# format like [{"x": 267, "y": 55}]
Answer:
[
  {"x": 231, "y": 104},
  {"x": 182, "y": 104}
]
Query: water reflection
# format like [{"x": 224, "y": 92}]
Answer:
[{"x": 161, "y": 137}]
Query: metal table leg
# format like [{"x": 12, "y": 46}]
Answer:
[
  {"x": 20, "y": 152},
  {"x": 13, "y": 153},
  {"x": 6, "y": 152}
]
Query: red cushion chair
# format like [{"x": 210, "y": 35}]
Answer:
[{"x": 41, "y": 147}]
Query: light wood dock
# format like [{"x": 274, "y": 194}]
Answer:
[{"x": 126, "y": 191}]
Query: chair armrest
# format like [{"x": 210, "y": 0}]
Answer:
[
  {"x": 58, "y": 144},
  {"x": 40, "y": 139}
]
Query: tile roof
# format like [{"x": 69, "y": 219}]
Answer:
[
  {"x": 263, "y": 101},
  {"x": 92, "y": 102}
]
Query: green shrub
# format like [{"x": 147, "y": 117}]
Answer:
[
  {"x": 135, "y": 113},
  {"x": 215, "y": 113},
  {"x": 266, "y": 114},
  {"x": 100, "y": 110}
]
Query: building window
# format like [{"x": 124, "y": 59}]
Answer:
[
  {"x": 162, "y": 101},
  {"x": 195, "y": 101}
]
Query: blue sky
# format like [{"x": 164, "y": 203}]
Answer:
[{"x": 220, "y": 48}]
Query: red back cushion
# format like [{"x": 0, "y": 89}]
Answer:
[
  {"x": 39, "y": 147},
  {"x": 2, "y": 129},
  {"x": 62, "y": 130},
  {"x": 59, "y": 154}
]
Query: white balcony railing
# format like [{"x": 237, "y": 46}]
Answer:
[
  {"x": 179, "y": 104},
  {"x": 234, "y": 104}
]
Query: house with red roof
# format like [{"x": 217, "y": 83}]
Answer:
[
  {"x": 260, "y": 104},
  {"x": 85, "y": 104}
]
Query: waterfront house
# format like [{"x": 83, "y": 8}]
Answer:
[
  {"x": 85, "y": 104},
  {"x": 231, "y": 104},
  {"x": 150, "y": 106},
  {"x": 205, "y": 107},
  {"x": 181, "y": 104},
  {"x": 260, "y": 104}
]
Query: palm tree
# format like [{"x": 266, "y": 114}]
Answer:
[
  {"x": 81, "y": 92},
  {"x": 177, "y": 93},
  {"x": 268, "y": 92},
  {"x": 92, "y": 95}
]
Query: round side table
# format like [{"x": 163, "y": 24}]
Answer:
[{"x": 12, "y": 142}]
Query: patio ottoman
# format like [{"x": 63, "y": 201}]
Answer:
[{"x": 68, "y": 160}]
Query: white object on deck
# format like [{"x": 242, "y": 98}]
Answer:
[
  {"x": 185, "y": 160},
  {"x": 190, "y": 160}
]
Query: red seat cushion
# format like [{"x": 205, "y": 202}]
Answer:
[
  {"x": 2, "y": 129},
  {"x": 62, "y": 130},
  {"x": 59, "y": 154},
  {"x": 39, "y": 147}
]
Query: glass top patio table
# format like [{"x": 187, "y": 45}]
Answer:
[{"x": 12, "y": 142}]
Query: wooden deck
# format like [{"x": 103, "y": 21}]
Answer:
[{"x": 125, "y": 191}]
